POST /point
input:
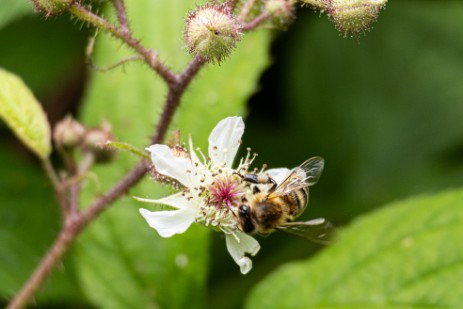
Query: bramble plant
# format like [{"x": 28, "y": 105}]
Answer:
[{"x": 209, "y": 187}]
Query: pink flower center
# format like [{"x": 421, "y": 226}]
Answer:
[{"x": 226, "y": 191}]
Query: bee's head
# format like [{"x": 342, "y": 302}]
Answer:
[{"x": 244, "y": 218}]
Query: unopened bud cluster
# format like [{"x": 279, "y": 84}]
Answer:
[
  {"x": 319, "y": 5},
  {"x": 95, "y": 143},
  {"x": 351, "y": 17},
  {"x": 212, "y": 32},
  {"x": 69, "y": 134}
]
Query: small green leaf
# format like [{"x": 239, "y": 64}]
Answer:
[
  {"x": 23, "y": 114},
  {"x": 127, "y": 147},
  {"x": 406, "y": 255}
]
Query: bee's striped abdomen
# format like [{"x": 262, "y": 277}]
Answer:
[{"x": 298, "y": 200}]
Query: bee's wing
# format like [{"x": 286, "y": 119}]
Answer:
[
  {"x": 310, "y": 170},
  {"x": 318, "y": 230},
  {"x": 305, "y": 175}
]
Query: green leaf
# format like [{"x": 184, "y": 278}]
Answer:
[
  {"x": 24, "y": 114},
  {"x": 123, "y": 263},
  {"x": 12, "y": 9},
  {"x": 406, "y": 255}
]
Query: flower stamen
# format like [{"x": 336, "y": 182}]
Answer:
[{"x": 226, "y": 191}]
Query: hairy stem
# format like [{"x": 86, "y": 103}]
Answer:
[
  {"x": 246, "y": 9},
  {"x": 174, "y": 96},
  {"x": 255, "y": 22},
  {"x": 54, "y": 255},
  {"x": 119, "y": 5},
  {"x": 150, "y": 56},
  {"x": 115, "y": 65},
  {"x": 55, "y": 181}
]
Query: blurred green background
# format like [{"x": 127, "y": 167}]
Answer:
[{"x": 384, "y": 110}]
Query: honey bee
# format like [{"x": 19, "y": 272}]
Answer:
[{"x": 278, "y": 206}]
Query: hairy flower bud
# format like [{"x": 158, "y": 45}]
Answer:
[
  {"x": 212, "y": 32},
  {"x": 353, "y": 17},
  {"x": 319, "y": 5},
  {"x": 282, "y": 12},
  {"x": 52, "y": 7},
  {"x": 95, "y": 142},
  {"x": 68, "y": 133}
]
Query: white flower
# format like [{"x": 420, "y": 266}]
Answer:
[{"x": 212, "y": 190}]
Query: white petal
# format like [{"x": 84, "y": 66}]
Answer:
[
  {"x": 239, "y": 245},
  {"x": 170, "y": 222},
  {"x": 175, "y": 200},
  {"x": 245, "y": 264},
  {"x": 278, "y": 174},
  {"x": 167, "y": 164},
  {"x": 225, "y": 140}
]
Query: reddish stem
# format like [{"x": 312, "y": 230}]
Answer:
[
  {"x": 255, "y": 22},
  {"x": 121, "y": 12},
  {"x": 150, "y": 56}
]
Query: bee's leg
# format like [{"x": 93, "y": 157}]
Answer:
[
  {"x": 252, "y": 178},
  {"x": 274, "y": 185}
]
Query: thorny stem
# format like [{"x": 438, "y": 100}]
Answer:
[
  {"x": 115, "y": 65},
  {"x": 150, "y": 56},
  {"x": 246, "y": 9},
  {"x": 75, "y": 185},
  {"x": 89, "y": 52},
  {"x": 74, "y": 191},
  {"x": 55, "y": 181},
  {"x": 173, "y": 98},
  {"x": 53, "y": 256},
  {"x": 255, "y": 22},
  {"x": 121, "y": 15}
]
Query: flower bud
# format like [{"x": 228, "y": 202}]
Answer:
[
  {"x": 212, "y": 32},
  {"x": 95, "y": 142},
  {"x": 318, "y": 5},
  {"x": 282, "y": 12},
  {"x": 353, "y": 17},
  {"x": 68, "y": 133},
  {"x": 52, "y": 7}
]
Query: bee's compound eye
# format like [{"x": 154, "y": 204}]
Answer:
[{"x": 246, "y": 224}]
